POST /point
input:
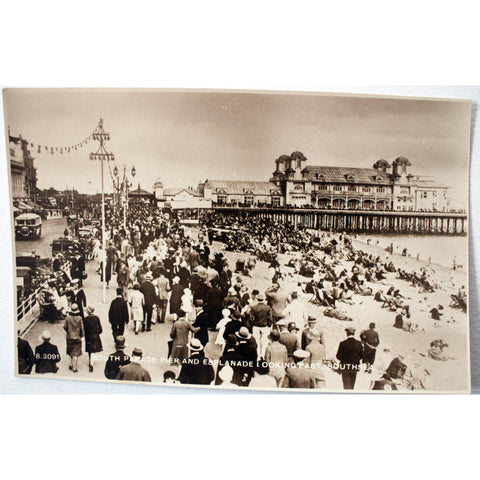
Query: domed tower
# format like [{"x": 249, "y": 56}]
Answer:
[
  {"x": 381, "y": 165},
  {"x": 400, "y": 167},
  {"x": 297, "y": 159}
]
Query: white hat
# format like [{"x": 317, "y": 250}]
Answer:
[{"x": 45, "y": 336}]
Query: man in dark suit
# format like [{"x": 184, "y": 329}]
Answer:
[
  {"x": 198, "y": 370},
  {"x": 150, "y": 295},
  {"x": 117, "y": 359},
  {"x": 349, "y": 353},
  {"x": 46, "y": 355},
  {"x": 118, "y": 314},
  {"x": 26, "y": 359}
]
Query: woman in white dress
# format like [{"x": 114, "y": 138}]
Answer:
[
  {"x": 137, "y": 301},
  {"x": 187, "y": 305},
  {"x": 221, "y": 327}
]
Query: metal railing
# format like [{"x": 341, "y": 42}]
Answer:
[{"x": 28, "y": 304}]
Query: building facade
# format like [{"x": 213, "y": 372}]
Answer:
[
  {"x": 382, "y": 187},
  {"x": 180, "y": 198},
  {"x": 23, "y": 173},
  {"x": 242, "y": 193}
]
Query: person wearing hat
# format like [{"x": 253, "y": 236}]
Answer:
[
  {"x": 234, "y": 325},
  {"x": 150, "y": 299},
  {"x": 133, "y": 371},
  {"x": 311, "y": 326},
  {"x": 197, "y": 370},
  {"x": 231, "y": 301},
  {"x": 116, "y": 359},
  {"x": 299, "y": 375},
  {"x": 118, "y": 315},
  {"x": 222, "y": 324},
  {"x": 230, "y": 356},
  {"x": 349, "y": 354},
  {"x": 163, "y": 288},
  {"x": 277, "y": 354},
  {"x": 46, "y": 355},
  {"x": 260, "y": 321},
  {"x": 288, "y": 337},
  {"x": 370, "y": 341},
  {"x": 246, "y": 348},
  {"x": 74, "y": 330},
  {"x": 201, "y": 322},
  {"x": 180, "y": 333},
  {"x": 176, "y": 297},
  {"x": 137, "y": 301},
  {"x": 262, "y": 377},
  {"x": 93, "y": 329},
  {"x": 226, "y": 376},
  {"x": 78, "y": 296},
  {"x": 317, "y": 357}
]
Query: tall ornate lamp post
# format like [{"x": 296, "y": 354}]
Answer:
[
  {"x": 126, "y": 184},
  {"x": 102, "y": 155}
]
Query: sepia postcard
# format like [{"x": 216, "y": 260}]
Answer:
[{"x": 246, "y": 240}]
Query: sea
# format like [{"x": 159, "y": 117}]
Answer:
[{"x": 441, "y": 249}]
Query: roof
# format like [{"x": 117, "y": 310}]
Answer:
[
  {"x": 233, "y": 187},
  {"x": 340, "y": 174},
  {"x": 27, "y": 216},
  {"x": 139, "y": 192},
  {"x": 172, "y": 192}
]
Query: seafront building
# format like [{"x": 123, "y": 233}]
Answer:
[{"x": 383, "y": 187}]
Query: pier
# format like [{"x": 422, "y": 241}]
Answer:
[{"x": 360, "y": 221}]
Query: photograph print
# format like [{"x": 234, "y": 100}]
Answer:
[{"x": 241, "y": 240}]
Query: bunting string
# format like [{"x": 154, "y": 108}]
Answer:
[{"x": 46, "y": 149}]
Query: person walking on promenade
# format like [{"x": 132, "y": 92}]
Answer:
[
  {"x": 46, "y": 355},
  {"x": 198, "y": 370},
  {"x": 133, "y": 371},
  {"x": 163, "y": 286},
  {"x": 117, "y": 359},
  {"x": 350, "y": 352},
  {"x": 78, "y": 296},
  {"x": 261, "y": 321},
  {"x": 111, "y": 255},
  {"x": 137, "y": 301},
  {"x": 277, "y": 354},
  {"x": 118, "y": 314},
  {"x": 201, "y": 322},
  {"x": 317, "y": 357},
  {"x": 370, "y": 341},
  {"x": 150, "y": 299},
  {"x": 176, "y": 296},
  {"x": 289, "y": 338},
  {"x": 26, "y": 359},
  {"x": 311, "y": 327},
  {"x": 93, "y": 329},
  {"x": 277, "y": 300},
  {"x": 180, "y": 338},
  {"x": 299, "y": 375},
  {"x": 74, "y": 330}
]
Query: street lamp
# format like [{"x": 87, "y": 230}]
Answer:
[{"x": 126, "y": 184}]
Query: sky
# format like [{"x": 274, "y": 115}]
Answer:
[{"x": 183, "y": 137}]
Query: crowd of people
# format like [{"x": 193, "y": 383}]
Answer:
[{"x": 166, "y": 273}]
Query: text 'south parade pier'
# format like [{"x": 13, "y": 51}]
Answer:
[{"x": 361, "y": 221}]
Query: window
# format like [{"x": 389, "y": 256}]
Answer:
[
  {"x": 221, "y": 199},
  {"x": 351, "y": 178},
  {"x": 323, "y": 187},
  {"x": 338, "y": 188},
  {"x": 276, "y": 201},
  {"x": 381, "y": 189},
  {"x": 424, "y": 195},
  {"x": 367, "y": 189},
  {"x": 248, "y": 200},
  {"x": 404, "y": 191},
  {"x": 352, "y": 189},
  {"x": 298, "y": 187}
]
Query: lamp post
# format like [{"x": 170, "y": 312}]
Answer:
[
  {"x": 126, "y": 184},
  {"x": 102, "y": 155}
]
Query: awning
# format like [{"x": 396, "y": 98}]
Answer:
[
  {"x": 15, "y": 209},
  {"x": 24, "y": 206}
]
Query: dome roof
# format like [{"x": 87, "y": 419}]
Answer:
[
  {"x": 298, "y": 155},
  {"x": 402, "y": 161},
  {"x": 283, "y": 158}
]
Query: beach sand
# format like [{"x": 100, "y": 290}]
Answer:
[{"x": 452, "y": 375}]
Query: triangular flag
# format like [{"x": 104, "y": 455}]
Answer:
[
  {"x": 51, "y": 151},
  {"x": 39, "y": 149}
]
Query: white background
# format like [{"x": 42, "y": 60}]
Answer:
[{"x": 236, "y": 45}]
